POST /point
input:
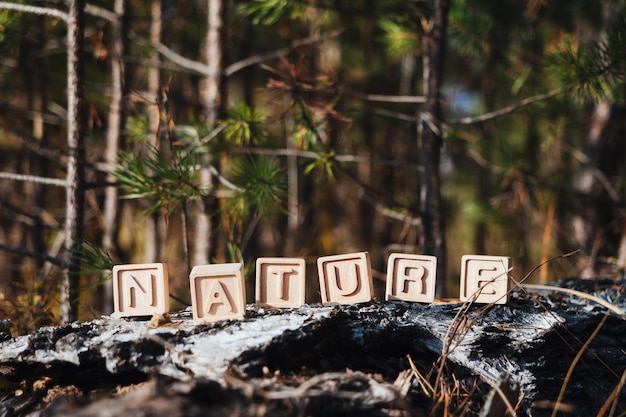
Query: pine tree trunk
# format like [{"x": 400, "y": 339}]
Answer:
[
  {"x": 212, "y": 100},
  {"x": 114, "y": 129},
  {"x": 156, "y": 227},
  {"x": 430, "y": 136},
  {"x": 75, "y": 194}
]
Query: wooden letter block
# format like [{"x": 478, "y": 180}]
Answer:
[
  {"x": 345, "y": 279},
  {"x": 217, "y": 292},
  {"x": 411, "y": 278},
  {"x": 280, "y": 282},
  {"x": 485, "y": 279},
  {"x": 140, "y": 290}
]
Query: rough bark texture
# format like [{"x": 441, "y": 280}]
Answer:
[
  {"x": 75, "y": 193},
  {"x": 432, "y": 141},
  {"x": 318, "y": 361}
]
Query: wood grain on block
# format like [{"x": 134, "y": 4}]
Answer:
[
  {"x": 217, "y": 292},
  {"x": 411, "y": 278},
  {"x": 280, "y": 282},
  {"x": 485, "y": 279},
  {"x": 345, "y": 279},
  {"x": 140, "y": 289}
]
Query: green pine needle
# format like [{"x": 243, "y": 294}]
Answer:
[
  {"x": 263, "y": 184},
  {"x": 153, "y": 177},
  {"x": 244, "y": 126}
]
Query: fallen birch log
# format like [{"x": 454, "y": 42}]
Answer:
[{"x": 543, "y": 352}]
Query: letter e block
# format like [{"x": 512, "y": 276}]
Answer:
[
  {"x": 485, "y": 279},
  {"x": 345, "y": 279},
  {"x": 411, "y": 278},
  {"x": 140, "y": 290},
  {"x": 217, "y": 292},
  {"x": 280, "y": 282}
]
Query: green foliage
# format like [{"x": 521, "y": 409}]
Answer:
[
  {"x": 93, "y": 259},
  {"x": 153, "y": 177},
  {"x": 136, "y": 129},
  {"x": 269, "y": 12},
  {"x": 262, "y": 184},
  {"x": 597, "y": 69},
  {"x": 398, "y": 39},
  {"x": 244, "y": 125},
  {"x": 323, "y": 166}
]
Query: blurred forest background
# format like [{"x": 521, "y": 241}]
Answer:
[{"x": 195, "y": 131}]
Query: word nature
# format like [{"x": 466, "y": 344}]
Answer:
[{"x": 218, "y": 290}]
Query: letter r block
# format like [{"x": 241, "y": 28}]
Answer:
[
  {"x": 280, "y": 282},
  {"x": 485, "y": 279},
  {"x": 217, "y": 292},
  {"x": 411, "y": 278},
  {"x": 345, "y": 279},
  {"x": 140, "y": 290}
]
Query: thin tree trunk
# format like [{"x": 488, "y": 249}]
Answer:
[
  {"x": 114, "y": 128},
  {"x": 431, "y": 141},
  {"x": 156, "y": 226},
  {"x": 75, "y": 194},
  {"x": 211, "y": 93}
]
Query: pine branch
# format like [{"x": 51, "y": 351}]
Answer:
[
  {"x": 256, "y": 59},
  {"x": 508, "y": 109},
  {"x": 100, "y": 12},
  {"x": 202, "y": 69},
  {"x": 33, "y": 178},
  {"x": 31, "y": 254},
  {"x": 388, "y": 98},
  {"x": 35, "y": 146},
  {"x": 314, "y": 155},
  {"x": 42, "y": 11}
]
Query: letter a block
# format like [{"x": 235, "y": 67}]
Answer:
[
  {"x": 140, "y": 290},
  {"x": 217, "y": 292},
  {"x": 280, "y": 282},
  {"x": 485, "y": 279},
  {"x": 411, "y": 278},
  {"x": 345, "y": 279}
]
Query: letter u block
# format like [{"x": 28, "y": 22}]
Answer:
[
  {"x": 217, "y": 292},
  {"x": 485, "y": 279},
  {"x": 280, "y": 282},
  {"x": 411, "y": 278},
  {"x": 140, "y": 289},
  {"x": 345, "y": 279}
]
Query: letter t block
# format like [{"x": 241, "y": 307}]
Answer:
[
  {"x": 485, "y": 279},
  {"x": 217, "y": 292},
  {"x": 280, "y": 282},
  {"x": 140, "y": 290},
  {"x": 411, "y": 278}
]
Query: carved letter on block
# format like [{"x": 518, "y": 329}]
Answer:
[
  {"x": 485, "y": 279},
  {"x": 411, "y": 278},
  {"x": 217, "y": 292},
  {"x": 140, "y": 290},
  {"x": 280, "y": 282},
  {"x": 345, "y": 279}
]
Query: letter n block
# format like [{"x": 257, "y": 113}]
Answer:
[
  {"x": 280, "y": 282},
  {"x": 140, "y": 290},
  {"x": 485, "y": 279},
  {"x": 217, "y": 292},
  {"x": 411, "y": 278},
  {"x": 345, "y": 279}
]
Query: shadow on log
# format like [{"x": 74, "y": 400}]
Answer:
[{"x": 539, "y": 353}]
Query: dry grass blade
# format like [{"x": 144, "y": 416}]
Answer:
[
  {"x": 421, "y": 380},
  {"x": 613, "y": 398},
  {"x": 574, "y": 362},
  {"x": 581, "y": 294}
]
